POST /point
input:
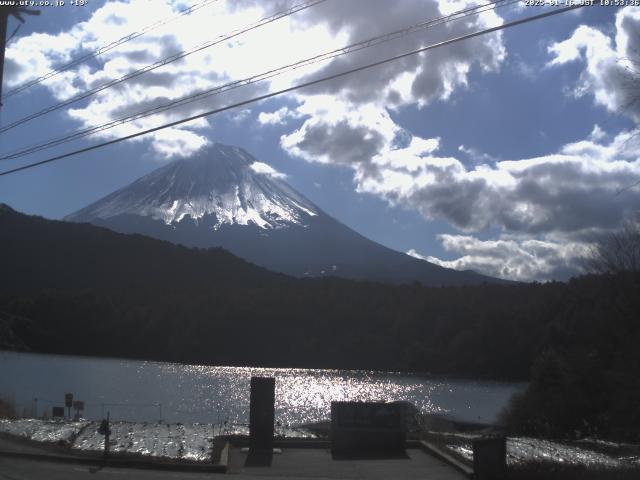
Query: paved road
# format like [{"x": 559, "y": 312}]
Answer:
[
  {"x": 290, "y": 464},
  {"x": 21, "y": 469},
  {"x": 316, "y": 463}
]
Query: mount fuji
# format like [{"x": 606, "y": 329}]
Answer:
[{"x": 224, "y": 197}]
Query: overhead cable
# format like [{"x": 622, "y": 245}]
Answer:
[
  {"x": 297, "y": 87},
  {"x": 160, "y": 63},
  {"x": 106, "y": 48},
  {"x": 201, "y": 95}
]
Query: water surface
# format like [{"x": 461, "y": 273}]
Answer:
[{"x": 150, "y": 391}]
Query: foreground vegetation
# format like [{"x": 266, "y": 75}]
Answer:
[
  {"x": 78, "y": 289},
  {"x": 581, "y": 337},
  {"x": 555, "y": 471},
  {"x": 7, "y": 408}
]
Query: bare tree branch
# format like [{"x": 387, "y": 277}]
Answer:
[{"x": 619, "y": 251}]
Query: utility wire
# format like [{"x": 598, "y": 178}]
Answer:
[
  {"x": 259, "y": 77},
  {"x": 108, "y": 47},
  {"x": 297, "y": 87},
  {"x": 161, "y": 63},
  {"x": 13, "y": 34}
]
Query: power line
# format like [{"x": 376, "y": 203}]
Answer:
[
  {"x": 297, "y": 87},
  {"x": 260, "y": 77},
  {"x": 161, "y": 63},
  {"x": 15, "y": 30},
  {"x": 108, "y": 47},
  {"x": 256, "y": 78}
]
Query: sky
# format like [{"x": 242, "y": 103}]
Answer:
[{"x": 509, "y": 154}]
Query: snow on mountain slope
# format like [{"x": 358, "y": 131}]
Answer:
[
  {"x": 222, "y": 180},
  {"x": 224, "y": 197}
]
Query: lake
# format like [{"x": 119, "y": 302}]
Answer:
[{"x": 150, "y": 391}]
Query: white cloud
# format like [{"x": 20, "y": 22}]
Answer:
[
  {"x": 524, "y": 69},
  {"x": 172, "y": 143},
  {"x": 597, "y": 134},
  {"x": 417, "y": 79},
  {"x": 279, "y": 117},
  {"x": 513, "y": 258},
  {"x": 347, "y": 121},
  {"x": 414, "y": 253},
  {"x": 475, "y": 155},
  {"x": 264, "y": 169},
  {"x": 251, "y": 53},
  {"x": 611, "y": 64},
  {"x": 339, "y": 132},
  {"x": 549, "y": 208},
  {"x": 239, "y": 116},
  {"x": 572, "y": 190}
]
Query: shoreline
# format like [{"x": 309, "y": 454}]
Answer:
[
  {"x": 522, "y": 452},
  {"x": 418, "y": 374}
]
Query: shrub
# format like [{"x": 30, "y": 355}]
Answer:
[
  {"x": 7, "y": 408},
  {"x": 554, "y": 404}
]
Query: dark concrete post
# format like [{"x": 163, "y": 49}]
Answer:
[
  {"x": 4, "y": 18},
  {"x": 490, "y": 458},
  {"x": 5, "y": 11},
  {"x": 261, "y": 417}
]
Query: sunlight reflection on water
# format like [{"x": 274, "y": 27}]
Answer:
[
  {"x": 304, "y": 395},
  {"x": 143, "y": 391}
]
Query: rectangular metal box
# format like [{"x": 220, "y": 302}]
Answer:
[{"x": 374, "y": 428}]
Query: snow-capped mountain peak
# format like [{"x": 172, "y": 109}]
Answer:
[
  {"x": 221, "y": 180},
  {"x": 224, "y": 197}
]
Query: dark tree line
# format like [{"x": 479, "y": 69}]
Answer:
[
  {"x": 77, "y": 289},
  {"x": 484, "y": 331}
]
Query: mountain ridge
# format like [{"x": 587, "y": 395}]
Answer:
[
  {"x": 224, "y": 197},
  {"x": 41, "y": 253},
  {"x": 230, "y": 183}
]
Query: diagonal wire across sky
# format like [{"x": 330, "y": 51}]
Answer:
[
  {"x": 161, "y": 63},
  {"x": 207, "y": 93},
  {"x": 101, "y": 50},
  {"x": 299, "y": 86}
]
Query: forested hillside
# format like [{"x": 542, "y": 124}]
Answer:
[{"x": 78, "y": 289}]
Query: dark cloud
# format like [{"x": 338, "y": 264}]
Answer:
[
  {"x": 559, "y": 194},
  {"x": 461, "y": 203},
  {"x": 437, "y": 72},
  {"x": 139, "y": 56},
  {"x": 343, "y": 143}
]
